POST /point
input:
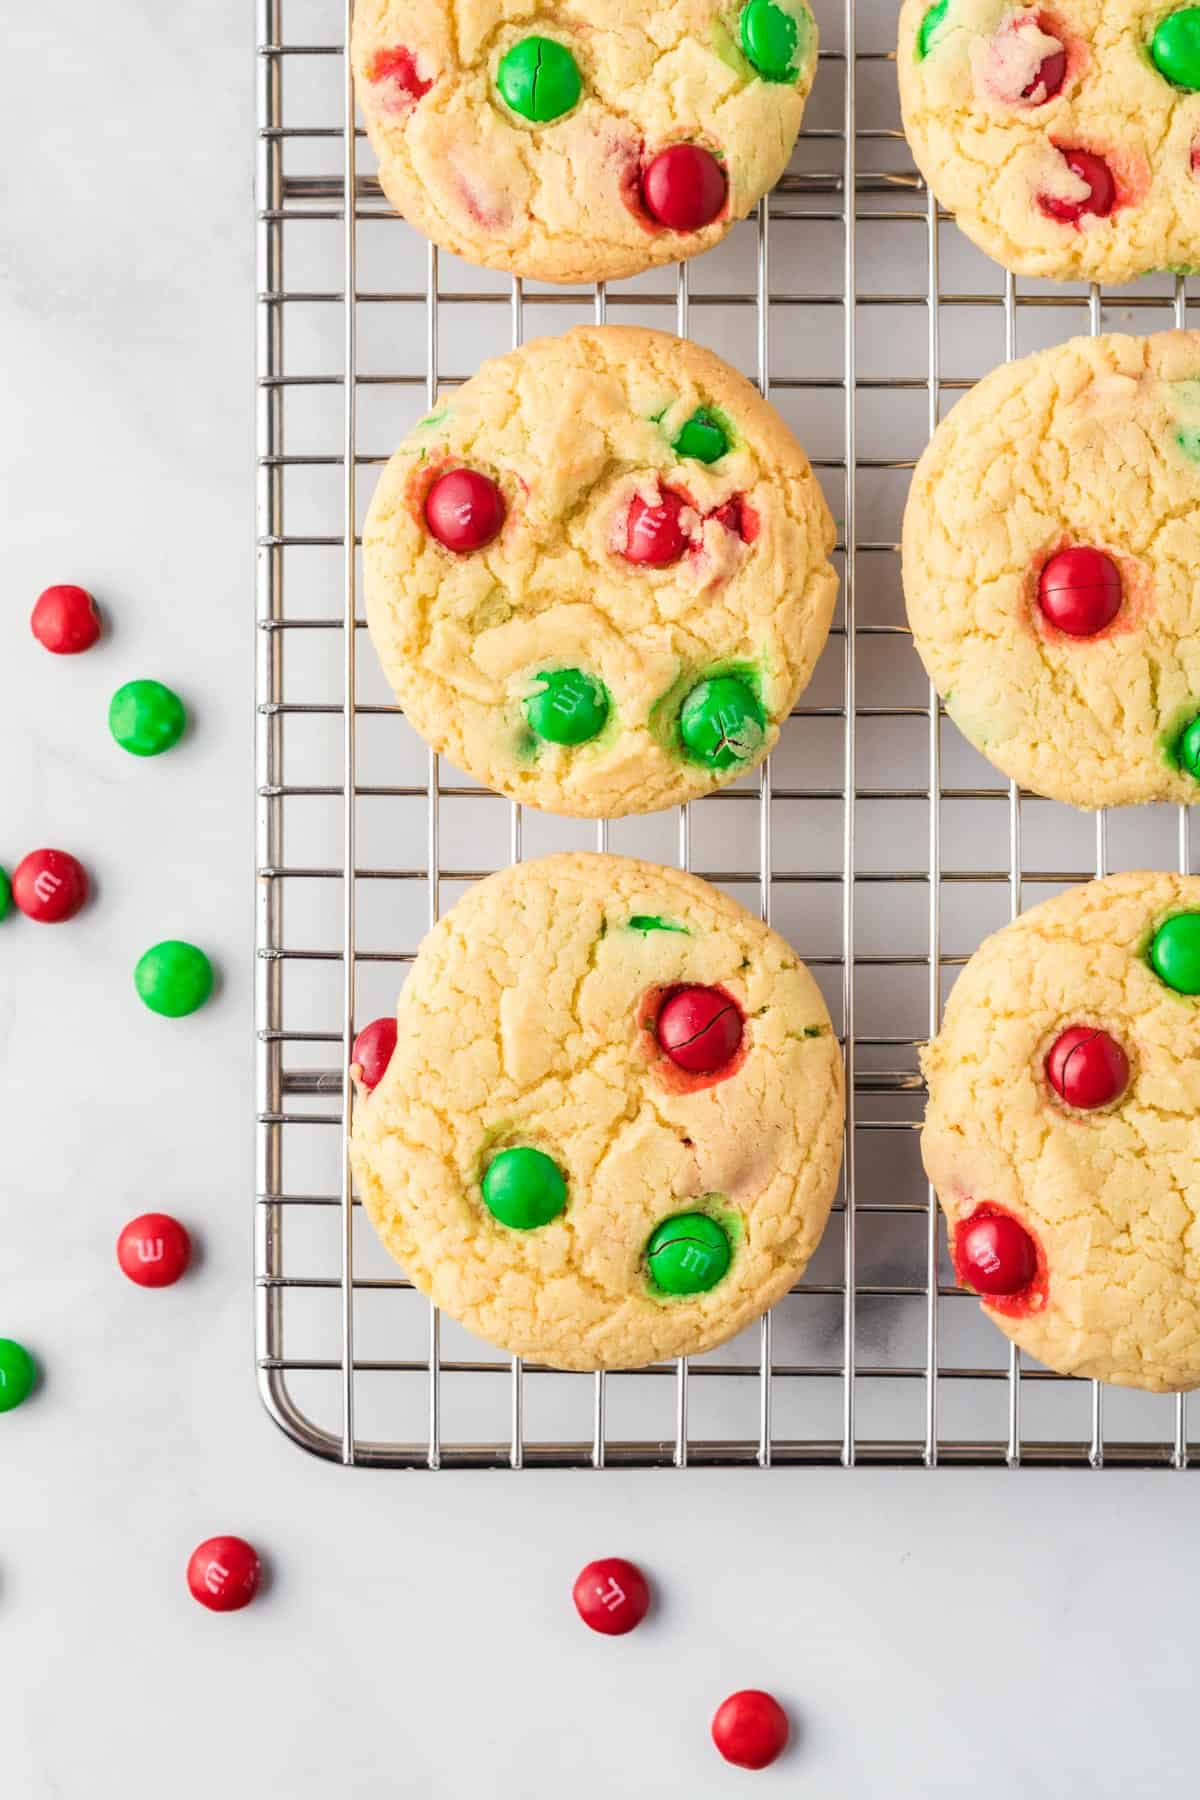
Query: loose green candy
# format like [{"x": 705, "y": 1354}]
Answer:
[
  {"x": 688, "y": 1254},
  {"x": 930, "y": 25},
  {"x": 570, "y": 708},
  {"x": 146, "y": 718},
  {"x": 722, "y": 722},
  {"x": 1175, "y": 953},
  {"x": 18, "y": 1372},
  {"x": 770, "y": 36},
  {"x": 539, "y": 79},
  {"x": 174, "y": 978},
  {"x": 703, "y": 438},
  {"x": 1175, "y": 47},
  {"x": 524, "y": 1188},
  {"x": 1188, "y": 749},
  {"x": 5, "y": 894}
]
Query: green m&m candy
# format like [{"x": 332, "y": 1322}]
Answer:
[
  {"x": 18, "y": 1373},
  {"x": 569, "y": 708},
  {"x": 539, "y": 79},
  {"x": 770, "y": 34},
  {"x": 524, "y": 1188},
  {"x": 174, "y": 978},
  {"x": 1175, "y": 47},
  {"x": 930, "y": 26},
  {"x": 688, "y": 1254},
  {"x": 1188, "y": 749},
  {"x": 703, "y": 438},
  {"x": 1175, "y": 953},
  {"x": 722, "y": 722},
  {"x": 146, "y": 718}
]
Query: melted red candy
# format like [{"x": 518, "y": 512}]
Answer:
[
  {"x": 154, "y": 1250},
  {"x": 654, "y": 534},
  {"x": 700, "y": 1029},
  {"x": 1080, "y": 591},
  {"x": 464, "y": 510},
  {"x": 1052, "y": 70},
  {"x": 738, "y": 516},
  {"x": 65, "y": 620},
  {"x": 750, "y": 1729},
  {"x": 223, "y": 1573},
  {"x": 1087, "y": 1068},
  {"x": 49, "y": 886},
  {"x": 612, "y": 1596},
  {"x": 373, "y": 1049},
  {"x": 399, "y": 66},
  {"x": 994, "y": 1254},
  {"x": 684, "y": 187},
  {"x": 1102, "y": 195}
]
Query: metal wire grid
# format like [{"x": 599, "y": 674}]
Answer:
[{"x": 498, "y": 1432}]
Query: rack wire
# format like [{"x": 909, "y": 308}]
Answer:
[{"x": 881, "y": 845}]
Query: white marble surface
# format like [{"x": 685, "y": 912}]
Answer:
[{"x": 936, "y": 1635}]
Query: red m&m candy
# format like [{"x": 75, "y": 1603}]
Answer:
[
  {"x": 1051, "y": 71},
  {"x": 994, "y": 1255},
  {"x": 611, "y": 1595},
  {"x": 372, "y": 1051},
  {"x": 1087, "y": 1068},
  {"x": 750, "y": 1729},
  {"x": 464, "y": 510},
  {"x": 49, "y": 886},
  {"x": 154, "y": 1250},
  {"x": 700, "y": 1028},
  {"x": 65, "y": 620},
  {"x": 223, "y": 1573},
  {"x": 654, "y": 532},
  {"x": 1080, "y": 591},
  {"x": 684, "y": 187},
  {"x": 1100, "y": 198}
]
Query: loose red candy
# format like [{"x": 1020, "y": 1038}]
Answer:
[
  {"x": 65, "y": 620},
  {"x": 49, "y": 886},
  {"x": 611, "y": 1595},
  {"x": 154, "y": 1250},
  {"x": 995, "y": 1255},
  {"x": 1102, "y": 189},
  {"x": 684, "y": 187},
  {"x": 700, "y": 1029},
  {"x": 373, "y": 1049},
  {"x": 223, "y": 1573},
  {"x": 464, "y": 510},
  {"x": 655, "y": 533},
  {"x": 1087, "y": 1068},
  {"x": 1080, "y": 591},
  {"x": 750, "y": 1729}
]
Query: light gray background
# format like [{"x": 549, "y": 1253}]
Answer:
[{"x": 935, "y": 1634}]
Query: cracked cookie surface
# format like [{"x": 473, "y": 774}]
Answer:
[
  {"x": 1108, "y": 1194},
  {"x": 670, "y": 677},
  {"x": 529, "y": 1021},
  {"x": 538, "y": 161},
  {"x": 1094, "y": 444},
  {"x": 1051, "y": 133}
]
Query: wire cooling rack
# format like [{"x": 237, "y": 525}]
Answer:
[{"x": 875, "y": 839}]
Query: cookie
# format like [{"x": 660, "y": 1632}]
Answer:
[
  {"x": 581, "y": 140},
  {"x": 611, "y": 1128},
  {"x": 598, "y": 577},
  {"x": 1065, "y": 140},
  {"x": 1063, "y": 1130},
  {"x": 1051, "y": 542}
]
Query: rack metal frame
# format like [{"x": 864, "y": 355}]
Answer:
[{"x": 838, "y": 195}]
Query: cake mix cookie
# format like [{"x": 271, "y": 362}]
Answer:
[
  {"x": 581, "y": 140},
  {"x": 1051, "y": 544},
  {"x": 598, "y": 577},
  {"x": 610, "y": 1130},
  {"x": 1065, "y": 139},
  {"x": 1063, "y": 1130}
]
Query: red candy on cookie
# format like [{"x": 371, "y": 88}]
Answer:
[
  {"x": 49, "y": 886},
  {"x": 654, "y": 533},
  {"x": 1087, "y": 1068},
  {"x": 684, "y": 187},
  {"x": 750, "y": 1729},
  {"x": 154, "y": 1250},
  {"x": 1080, "y": 591},
  {"x": 464, "y": 510},
  {"x": 372, "y": 1051},
  {"x": 611, "y": 1596},
  {"x": 700, "y": 1029},
  {"x": 1102, "y": 189},
  {"x": 994, "y": 1254},
  {"x": 223, "y": 1573},
  {"x": 65, "y": 620}
]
